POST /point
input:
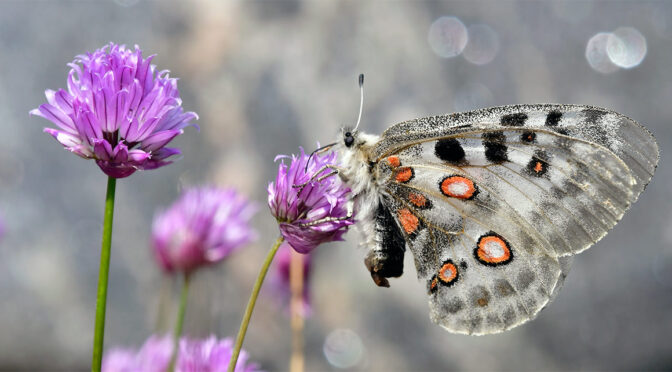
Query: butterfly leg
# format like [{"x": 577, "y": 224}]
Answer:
[
  {"x": 316, "y": 176},
  {"x": 332, "y": 219}
]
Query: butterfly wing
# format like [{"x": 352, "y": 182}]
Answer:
[{"x": 493, "y": 201}]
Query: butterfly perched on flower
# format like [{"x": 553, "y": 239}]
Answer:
[{"x": 493, "y": 203}]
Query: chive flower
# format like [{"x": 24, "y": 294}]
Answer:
[
  {"x": 117, "y": 110},
  {"x": 312, "y": 214},
  {"x": 194, "y": 355},
  {"x": 204, "y": 226}
]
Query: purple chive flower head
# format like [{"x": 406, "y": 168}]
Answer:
[
  {"x": 281, "y": 279},
  {"x": 194, "y": 355},
  {"x": 315, "y": 213},
  {"x": 117, "y": 110},
  {"x": 202, "y": 227}
]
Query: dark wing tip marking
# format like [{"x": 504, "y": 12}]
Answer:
[
  {"x": 553, "y": 118},
  {"x": 514, "y": 120}
]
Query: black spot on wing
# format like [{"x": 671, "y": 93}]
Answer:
[
  {"x": 593, "y": 116},
  {"x": 514, "y": 120},
  {"x": 454, "y": 305},
  {"x": 528, "y": 137},
  {"x": 595, "y": 130},
  {"x": 449, "y": 150},
  {"x": 495, "y": 149},
  {"x": 538, "y": 165},
  {"x": 553, "y": 118}
]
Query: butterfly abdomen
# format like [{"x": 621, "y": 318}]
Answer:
[{"x": 386, "y": 258}]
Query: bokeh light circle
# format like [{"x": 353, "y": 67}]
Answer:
[
  {"x": 626, "y": 47},
  {"x": 447, "y": 37},
  {"x": 596, "y": 53},
  {"x": 343, "y": 348},
  {"x": 482, "y": 46}
]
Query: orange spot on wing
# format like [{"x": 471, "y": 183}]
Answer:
[
  {"x": 493, "y": 249},
  {"x": 394, "y": 161},
  {"x": 458, "y": 187},
  {"x": 433, "y": 284},
  {"x": 404, "y": 174},
  {"x": 538, "y": 167},
  {"x": 408, "y": 220},
  {"x": 418, "y": 200},
  {"x": 448, "y": 272}
]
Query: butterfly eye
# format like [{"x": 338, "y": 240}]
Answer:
[{"x": 349, "y": 139}]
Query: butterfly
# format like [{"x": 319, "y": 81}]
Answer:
[{"x": 493, "y": 203}]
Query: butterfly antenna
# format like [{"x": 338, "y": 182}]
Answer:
[
  {"x": 325, "y": 147},
  {"x": 361, "y": 100}
]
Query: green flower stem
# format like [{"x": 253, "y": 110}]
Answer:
[
  {"x": 250, "y": 304},
  {"x": 180, "y": 321},
  {"x": 104, "y": 271}
]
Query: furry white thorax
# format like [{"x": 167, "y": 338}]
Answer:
[{"x": 355, "y": 172}]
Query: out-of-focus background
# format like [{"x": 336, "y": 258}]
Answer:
[{"x": 269, "y": 76}]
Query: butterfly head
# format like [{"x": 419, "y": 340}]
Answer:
[{"x": 348, "y": 138}]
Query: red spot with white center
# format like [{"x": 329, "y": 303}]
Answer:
[
  {"x": 493, "y": 250},
  {"x": 458, "y": 187},
  {"x": 448, "y": 273}
]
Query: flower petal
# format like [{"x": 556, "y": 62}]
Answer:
[
  {"x": 159, "y": 139},
  {"x": 66, "y": 139},
  {"x": 102, "y": 149},
  {"x": 56, "y": 116}
]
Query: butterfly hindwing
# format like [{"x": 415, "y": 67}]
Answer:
[
  {"x": 492, "y": 201},
  {"x": 479, "y": 281}
]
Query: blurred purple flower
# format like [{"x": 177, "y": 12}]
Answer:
[
  {"x": 313, "y": 214},
  {"x": 202, "y": 227},
  {"x": 117, "y": 110},
  {"x": 208, "y": 355},
  {"x": 280, "y": 281},
  {"x": 153, "y": 356}
]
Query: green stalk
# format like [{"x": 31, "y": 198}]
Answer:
[
  {"x": 104, "y": 270},
  {"x": 180, "y": 321},
  {"x": 251, "y": 303}
]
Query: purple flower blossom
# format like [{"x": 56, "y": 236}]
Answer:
[
  {"x": 281, "y": 278},
  {"x": 208, "y": 355},
  {"x": 202, "y": 227},
  {"x": 307, "y": 216},
  {"x": 117, "y": 110}
]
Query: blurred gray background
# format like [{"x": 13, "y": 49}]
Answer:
[{"x": 269, "y": 76}]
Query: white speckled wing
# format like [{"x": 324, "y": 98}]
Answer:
[{"x": 492, "y": 202}]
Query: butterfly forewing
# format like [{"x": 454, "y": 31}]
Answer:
[{"x": 490, "y": 201}]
